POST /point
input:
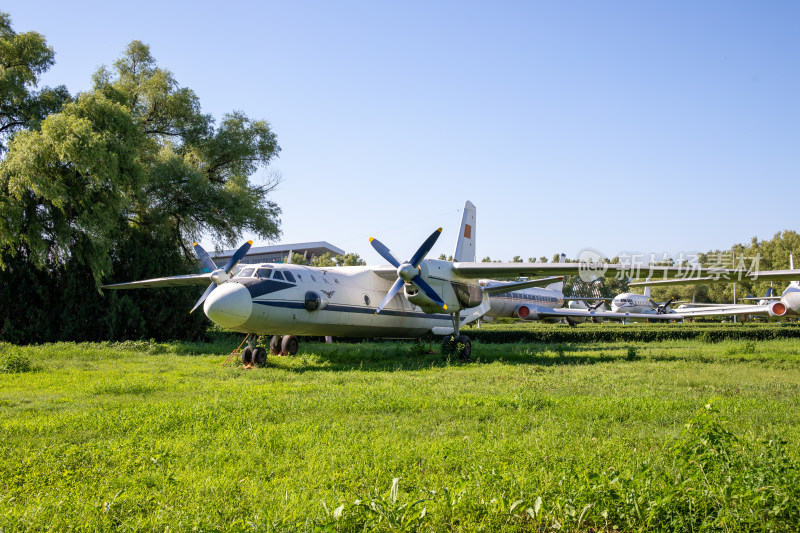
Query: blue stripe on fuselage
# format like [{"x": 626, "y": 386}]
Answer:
[{"x": 351, "y": 309}]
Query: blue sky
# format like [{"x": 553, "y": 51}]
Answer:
[{"x": 621, "y": 126}]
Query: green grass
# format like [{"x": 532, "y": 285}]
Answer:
[{"x": 374, "y": 436}]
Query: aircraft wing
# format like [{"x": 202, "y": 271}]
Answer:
[
  {"x": 172, "y": 281},
  {"x": 508, "y": 287},
  {"x": 726, "y": 310},
  {"x": 386, "y": 272},
  {"x": 495, "y": 270},
  {"x": 731, "y": 277},
  {"x": 586, "y": 313}
]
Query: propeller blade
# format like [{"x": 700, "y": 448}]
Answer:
[
  {"x": 204, "y": 257},
  {"x": 203, "y": 297},
  {"x": 389, "y": 295},
  {"x": 425, "y": 248},
  {"x": 428, "y": 290},
  {"x": 385, "y": 252},
  {"x": 237, "y": 256}
]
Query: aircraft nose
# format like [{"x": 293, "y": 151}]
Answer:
[{"x": 229, "y": 305}]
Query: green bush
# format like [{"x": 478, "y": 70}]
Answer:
[{"x": 16, "y": 362}]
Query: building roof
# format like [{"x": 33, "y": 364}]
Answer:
[{"x": 278, "y": 252}]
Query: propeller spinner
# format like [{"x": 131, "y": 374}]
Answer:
[
  {"x": 218, "y": 275},
  {"x": 408, "y": 272}
]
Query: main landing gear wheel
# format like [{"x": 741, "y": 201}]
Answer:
[
  {"x": 289, "y": 345},
  {"x": 460, "y": 346},
  {"x": 247, "y": 356},
  {"x": 260, "y": 356},
  {"x": 275, "y": 345},
  {"x": 464, "y": 347}
]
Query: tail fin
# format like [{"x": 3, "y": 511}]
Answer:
[
  {"x": 791, "y": 261},
  {"x": 465, "y": 246},
  {"x": 647, "y": 290}
]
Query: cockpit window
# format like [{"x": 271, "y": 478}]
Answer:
[
  {"x": 246, "y": 273},
  {"x": 278, "y": 275},
  {"x": 289, "y": 276},
  {"x": 264, "y": 273}
]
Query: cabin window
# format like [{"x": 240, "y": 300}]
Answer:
[
  {"x": 246, "y": 273},
  {"x": 289, "y": 276},
  {"x": 264, "y": 273},
  {"x": 366, "y": 300},
  {"x": 278, "y": 275}
]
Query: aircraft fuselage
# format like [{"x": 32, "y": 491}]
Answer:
[{"x": 302, "y": 300}]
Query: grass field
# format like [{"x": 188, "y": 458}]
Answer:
[{"x": 672, "y": 436}]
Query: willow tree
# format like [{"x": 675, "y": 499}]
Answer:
[{"x": 117, "y": 183}]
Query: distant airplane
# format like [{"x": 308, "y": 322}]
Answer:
[
  {"x": 438, "y": 297},
  {"x": 773, "y": 307}
]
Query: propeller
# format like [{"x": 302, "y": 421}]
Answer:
[
  {"x": 663, "y": 307},
  {"x": 593, "y": 307},
  {"x": 408, "y": 272},
  {"x": 218, "y": 275}
]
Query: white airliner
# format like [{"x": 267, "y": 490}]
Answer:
[{"x": 438, "y": 296}]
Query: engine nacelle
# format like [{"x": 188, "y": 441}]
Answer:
[
  {"x": 777, "y": 309},
  {"x": 527, "y": 312},
  {"x": 420, "y": 299},
  {"x": 523, "y": 312}
]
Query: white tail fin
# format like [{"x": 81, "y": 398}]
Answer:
[
  {"x": 791, "y": 261},
  {"x": 647, "y": 290},
  {"x": 465, "y": 245}
]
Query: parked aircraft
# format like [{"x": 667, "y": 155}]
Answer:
[
  {"x": 773, "y": 307},
  {"x": 438, "y": 297},
  {"x": 543, "y": 304}
]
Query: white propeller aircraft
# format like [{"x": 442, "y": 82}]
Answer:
[{"x": 438, "y": 297}]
